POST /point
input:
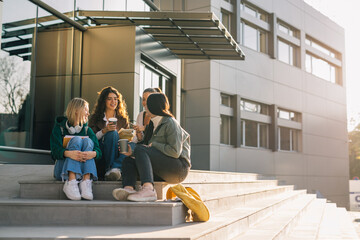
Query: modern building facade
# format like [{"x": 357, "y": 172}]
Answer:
[{"x": 280, "y": 111}]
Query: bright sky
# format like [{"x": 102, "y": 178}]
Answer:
[{"x": 345, "y": 13}]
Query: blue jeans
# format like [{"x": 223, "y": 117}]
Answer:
[
  {"x": 111, "y": 157},
  {"x": 63, "y": 167}
]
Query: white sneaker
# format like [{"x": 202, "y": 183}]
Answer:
[
  {"x": 71, "y": 190},
  {"x": 86, "y": 189},
  {"x": 113, "y": 174}
]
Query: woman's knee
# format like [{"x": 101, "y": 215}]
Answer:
[
  {"x": 87, "y": 144},
  {"x": 75, "y": 143},
  {"x": 139, "y": 149},
  {"x": 111, "y": 136}
]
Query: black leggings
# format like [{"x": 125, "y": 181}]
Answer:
[{"x": 149, "y": 163}]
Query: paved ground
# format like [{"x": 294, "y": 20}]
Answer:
[{"x": 356, "y": 221}]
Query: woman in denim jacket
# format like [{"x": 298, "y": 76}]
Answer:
[{"x": 164, "y": 154}]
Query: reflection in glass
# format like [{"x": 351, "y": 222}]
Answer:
[
  {"x": 250, "y": 37},
  {"x": 225, "y": 100},
  {"x": 263, "y": 135},
  {"x": 225, "y": 129},
  {"x": 284, "y": 138},
  {"x": 251, "y": 134}
]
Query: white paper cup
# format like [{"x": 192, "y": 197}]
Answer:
[
  {"x": 123, "y": 144},
  {"x": 112, "y": 120}
]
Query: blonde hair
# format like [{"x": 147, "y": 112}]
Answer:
[{"x": 74, "y": 106}]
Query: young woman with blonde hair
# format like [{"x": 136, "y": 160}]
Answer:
[{"x": 75, "y": 160}]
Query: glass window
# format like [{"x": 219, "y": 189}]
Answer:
[
  {"x": 254, "y": 38},
  {"x": 263, "y": 135},
  {"x": 288, "y": 139},
  {"x": 225, "y": 129},
  {"x": 288, "y": 115},
  {"x": 321, "y": 68},
  {"x": 285, "y": 52},
  {"x": 15, "y": 72},
  {"x": 226, "y": 100},
  {"x": 250, "y": 11},
  {"x": 320, "y": 47},
  {"x": 254, "y": 134},
  {"x": 250, "y": 37},
  {"x": 250, "y": 106},
  {"x": 225, "y": 19},
  {"x": 151, "y": 78}
]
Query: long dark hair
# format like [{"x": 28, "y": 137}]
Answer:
[
  {"x": 100, "y": 106},
  {"x": 158, "y": 104}
]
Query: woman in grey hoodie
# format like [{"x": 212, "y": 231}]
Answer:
[{"x": 164, "y": 153}]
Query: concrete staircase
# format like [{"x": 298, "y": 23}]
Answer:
[{"x": 241, "y": 207}]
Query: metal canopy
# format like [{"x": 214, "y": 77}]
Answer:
[
  {"x": 186, "y": 34},
  {"x": 189, "y": 35}
]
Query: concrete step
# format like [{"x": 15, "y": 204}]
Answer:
[
  {"x": 308, "y": 226},
  {"x": 224, "y": 225},
  {"x": 198, "y": 176},
  {"x": 347, "y": 228},
  {"x": 37, "y": 212},
  {"x": 277, "y": 225},
  {"x": 103, "y": 189},
  {"x": 329, "y": 226},
  {"x": 228, "y": 200}
]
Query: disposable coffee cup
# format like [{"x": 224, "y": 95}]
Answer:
[
  {"x": 112, "y": 120},
  {"x": 123, "y": 144}
]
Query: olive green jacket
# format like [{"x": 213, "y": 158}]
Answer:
[{"x": 171, "y": 139}]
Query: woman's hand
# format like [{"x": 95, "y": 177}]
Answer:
[
  {"x": 88, "y": 155},
  {"x": 109, "y": 127},
  {"x": 74, "y": 154},
  {"x": 139, "y": 128},
  {"x": 128, "y": 153}
]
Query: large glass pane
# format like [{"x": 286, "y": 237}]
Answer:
[
  {"x": 295, "y": 140},
  {"x": 284, "y": 139},
  {"x": 321, "y": 68},
  {"x": 262, "y": 42},
  {"x": 225, "y": 19},
  {"x": 225, "y": 100},
  {"x": 263, "y": 128},
  {"x": 147, "y": 78},
  {"x": 155, "y": 80},
  {"x": 251, "y": 134},
  {"x": 250, "y": 37},
  {"x": 308, "y": 63},
  {"x": 15, "y": 72},
  {"x": 225, "y": 129},
  {"x": 250, "y": 11},
  {"x": 283, "y": 52}
]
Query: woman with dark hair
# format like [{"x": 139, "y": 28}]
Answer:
[
  {"x": 143, "y": 118},
  {"x": 108, "y": 117},
  {"x": 164, "y": 154}
]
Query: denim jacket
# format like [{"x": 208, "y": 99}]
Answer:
[{"x": 171, "y": 139}]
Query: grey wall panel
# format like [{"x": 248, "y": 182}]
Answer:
[
  {"x": 197, "y": 74},
  {"x": 198, "y": 103},
  {"x": 289, "y": 163},
  {"x": 323, "y": 146},
  {"x": 334, "y": 166},
  {"x": 227, "y": 160},
  {"x": 255, "y": 161},
  {"x": 288, "y": 75},
  {"x": 289, "y": 98},
  {"x": 200, "y": 155}
]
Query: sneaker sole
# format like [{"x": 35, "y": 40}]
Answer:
[
  {"x": 148, "y": 199},
  {"x": 120, "y": 194},
  {"x": 112, "y": 177}
]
